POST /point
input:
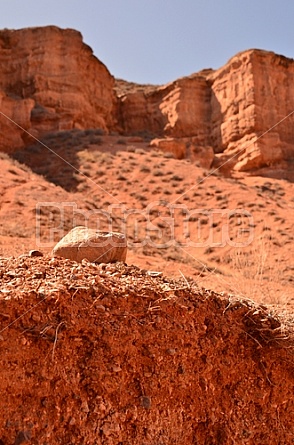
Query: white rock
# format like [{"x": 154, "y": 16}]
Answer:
[{"x": 94, "y": 245}]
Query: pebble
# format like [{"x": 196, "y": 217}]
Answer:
[{"x": 35, "y": 253}]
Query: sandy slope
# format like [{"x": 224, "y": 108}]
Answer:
[{"x": 179, "y": 219}]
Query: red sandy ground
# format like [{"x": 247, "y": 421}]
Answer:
[{"x": 117, "y": 354}]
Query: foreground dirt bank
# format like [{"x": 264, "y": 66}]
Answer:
[{"x": 114, "y": 354}]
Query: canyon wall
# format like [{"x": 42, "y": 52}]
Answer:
[
  {"x": 251, "y": 95},
  {"x": 234, "y": 110},
  {"x": 50, "y": 81},
  {"x": 236, "y": 117}
]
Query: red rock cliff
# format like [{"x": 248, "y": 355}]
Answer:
[
  {"x": 232, "y": 109},
  {"x": 251, "y": 94},
  {"x": 50, "y": 80}
]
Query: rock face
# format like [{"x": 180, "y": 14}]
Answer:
[
  {"x": 95, "y": 246},
  {"x": 183, "y": 148},
  {"x": 250, "y": 96},
  {"x": 17, "y": 110},
  {"x": 235, "y": 110},
  {"x": 178, "y": 109},
  {"x": 51, "y": 81}
]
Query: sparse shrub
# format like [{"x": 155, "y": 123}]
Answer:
[
  {"x": 14, "y": 172},
  {"x": 4, "y": 156},
  {"x": 89, "y": 132},
  {"x": 105, "y": 158},
  {"x": 100, "y": 172},
  {"x": 141, "y": 197},
  {"x": 93, "y": 132},
  {"x": 168, "y": 155},
  {"x": 121, "y": 177},
  {"x": 66, "y": 134},
  {"x": 82, "y": 187},
  {"x": 121, "y": 142},
  {"x": 154, "y": 154},
  {"x": 161, "y": 225},
  {"x": 95, "y": 140},
  {"x": 145, "y": 169},
  {"x": 99, "y": 131},
  {"x": 177, "y": 178},
  {"x": 140, "y": 151},
  {"x": 158, "y": 173},
  {"x": 209, "y": 250}
]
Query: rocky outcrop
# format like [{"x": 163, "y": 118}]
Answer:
[
  {"x": 14, "y": 110},
  {"x": 251, "y": 94},
  {"x": 178, "y": 109},
  {"x": 93, "y": 245},
  {"x": 183, "y": 148},
  {"x": 235, "y": 109},
  {"x": 51, "y": 81}
]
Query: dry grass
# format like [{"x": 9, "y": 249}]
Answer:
[{"x": 253, "y": 274}]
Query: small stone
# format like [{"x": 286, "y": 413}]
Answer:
[
  {"x": 22, "y": 436},
  {"x": 171, "y": 351},
  {"x": 95, "y": 246},
  {"x": 85, "y": 407},
  {"x": 116, "y": 368},
  {"x": 35, "y": 253},
  {"x": 72, "y": 421},
  {"x": 100, "y": 308},
  {"x": 146, "y": 402}
]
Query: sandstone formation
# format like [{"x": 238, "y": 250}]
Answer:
[
  {"x": 95, "y": 246},
  {"x": 250, "y": 96},
  {"x": 17, "y": 110},
  {"x": 235, "y": 110},
  {"x": 51, "y": 81},
  {"x": 183, "y": 148}
]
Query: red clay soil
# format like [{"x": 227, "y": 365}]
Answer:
[{"x": 113, "y": 354}]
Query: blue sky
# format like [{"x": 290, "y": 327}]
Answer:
[{"x": 157, "y": 41}]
